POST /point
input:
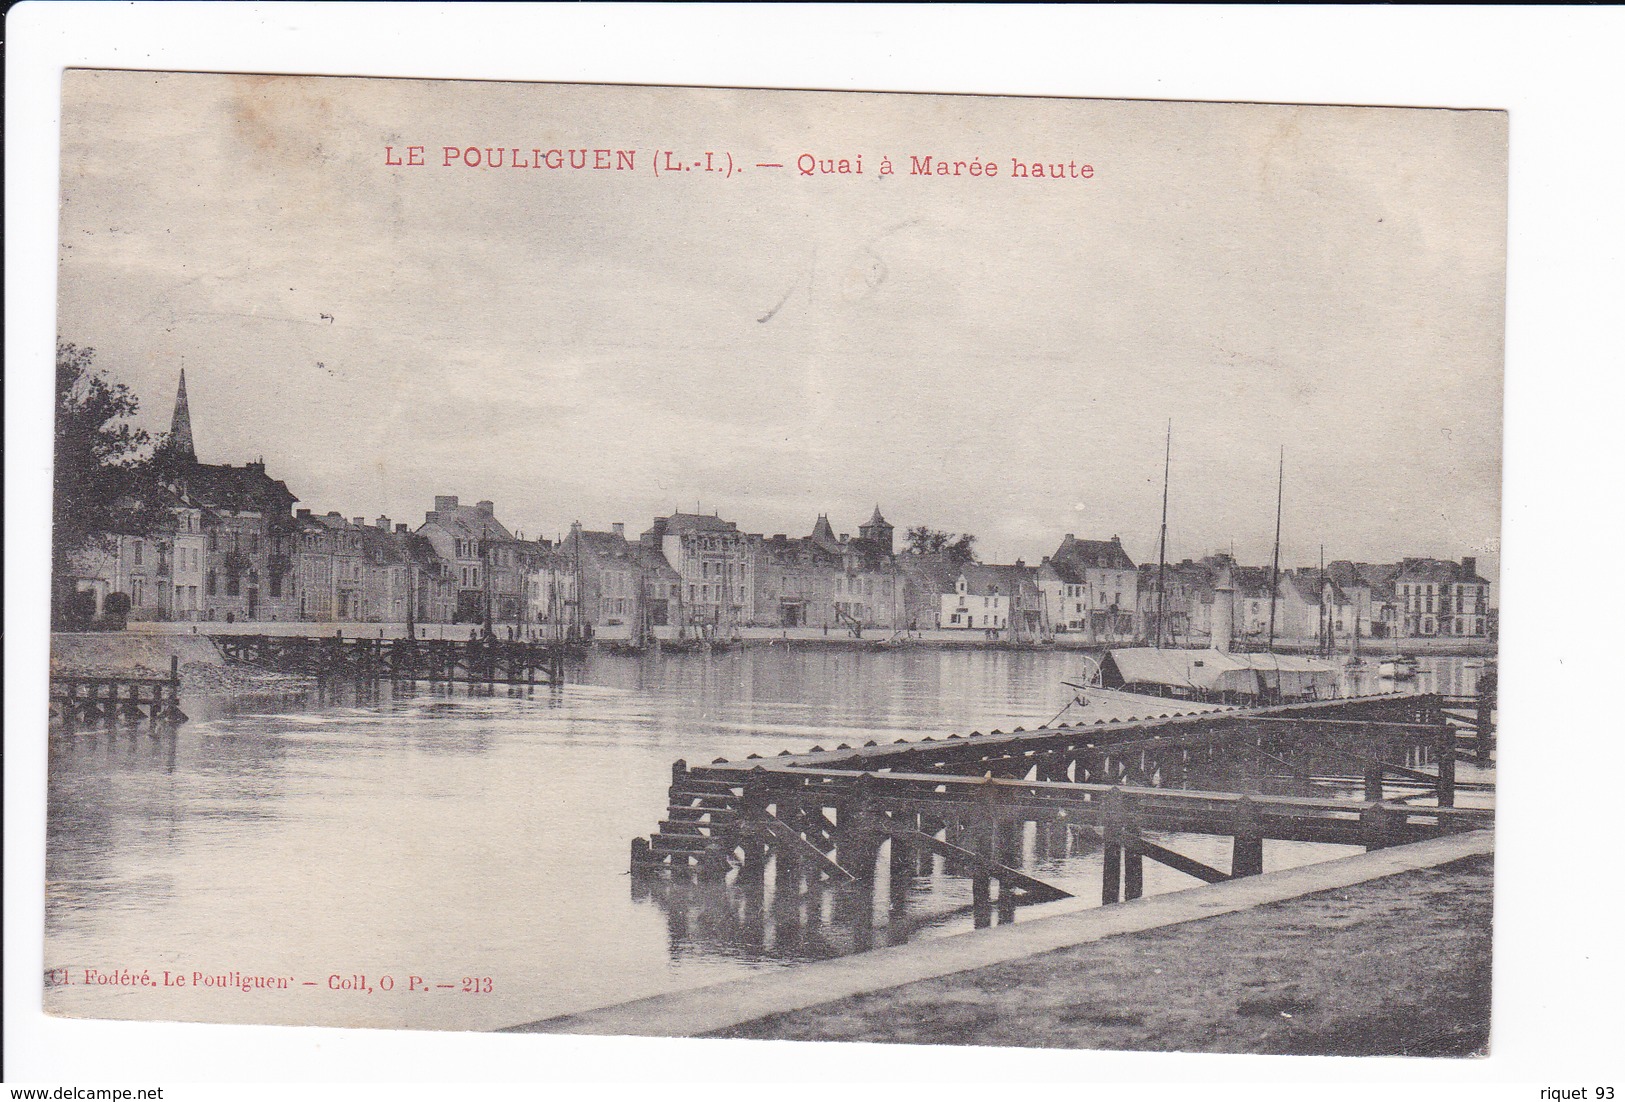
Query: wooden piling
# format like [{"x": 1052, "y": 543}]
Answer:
[
  {"x": 1447, "y": 766},
  {"x": 1133, "y": 860},
  {"x": 1373, "y": 782},
  {"x": 1247, "y": 851},
  {"x": 981, "y": 885},
  {"x": 1483, "y": 718},
  {"x": 1111, "y": 854},
  {"x": 1377, "y": 822}
]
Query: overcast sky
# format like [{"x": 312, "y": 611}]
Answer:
[{"x": 999, "y": 356}]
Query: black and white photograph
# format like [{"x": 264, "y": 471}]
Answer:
[
  {"x": 922, "y": 570},
  {"x": 830, "y": 524}
]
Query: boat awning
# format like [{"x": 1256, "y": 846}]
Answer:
[
  {"x": 1294, "y": 674},
  {"x": 1200, "y": 670}
]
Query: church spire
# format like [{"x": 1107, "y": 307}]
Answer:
[{"x": 180, "y": 426}]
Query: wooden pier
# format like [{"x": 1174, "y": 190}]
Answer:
[
  {"x": 123, "y": 700},
  {"x": 472, "y": 661},
  {"x": 985, "y": 804}
]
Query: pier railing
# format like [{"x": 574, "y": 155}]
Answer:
[
  {"x": 476, "y": 661},
  {"x": 983, "y": 802},
  {"x": 115, "y": 700}
]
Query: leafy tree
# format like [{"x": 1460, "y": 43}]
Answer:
[
  {"x": 933, "y": 541},
  {"x": 101, "y": 460},
  {"x": 963, "y": 549},
  {"x": 926, "y": 541}
]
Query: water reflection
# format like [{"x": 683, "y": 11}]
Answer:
[{"x": 405, "y": 830}]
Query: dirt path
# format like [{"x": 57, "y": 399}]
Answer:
[{"x": 1394, "y": 966}]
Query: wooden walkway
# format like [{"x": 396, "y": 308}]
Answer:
[
  {"x": 472, "y": 661},
  {"x": 983, "y": 802},
  {"x": 82, "y": 700}
]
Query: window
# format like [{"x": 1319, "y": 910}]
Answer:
[
  {"x": 233, "y": 585},
  {"x": 209, "y": 584},
  {"x": 137, "y": 549}
]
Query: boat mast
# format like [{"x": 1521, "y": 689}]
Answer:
[
  {"x": 1162, "y": 540},
  {"x": 580, "y": 618},
  {"x": 1275, "y": 569},
  {"x": 1323, "y": 622}
]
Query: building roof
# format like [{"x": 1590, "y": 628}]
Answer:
[
  {"x": 798, "y": 552},
  {"x": 986, "y": 579},
  {"x": 1413, "y": 571},
  {"x": 823, "y": 534},
  {"x": 381, "y": 545},
  {"x": 1307, "y": 582},
  {"x": 653, "y": 560},
  {"x": 220, "y": 486},
  {"x": 1098, "y": 554},
  {"x": 603, "y": 548},
  {"x": 679, "y": 524},
  {"x": 1064, "y": 571},
  {"x": 1250, "y": 581},
  {"x": 468, "y": 522}
]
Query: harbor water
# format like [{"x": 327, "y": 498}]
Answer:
[{"x": 447, "y": 859}]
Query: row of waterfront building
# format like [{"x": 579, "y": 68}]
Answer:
[{"x": 232, "y": 547}]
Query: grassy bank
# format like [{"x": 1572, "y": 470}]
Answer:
[{"x": 1394, "y": 966}]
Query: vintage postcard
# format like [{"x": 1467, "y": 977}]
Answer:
[{"x": 710, "y": 562}]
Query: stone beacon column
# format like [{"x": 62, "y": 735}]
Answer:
[{"x": 1224, "y": 611}]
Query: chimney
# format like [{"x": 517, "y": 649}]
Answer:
[
  {"x": 302, "y": 514},
  {"x": 359, "y": 522},
  {"x": 1469, "y": 565},
  {"x": 619, "y": 529},
  {"x": 445, "y": 504},
  {"x": 400, "y": 528},
  {"x": 486, "y": 507},
  {"x": 383, "y": 524}
]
